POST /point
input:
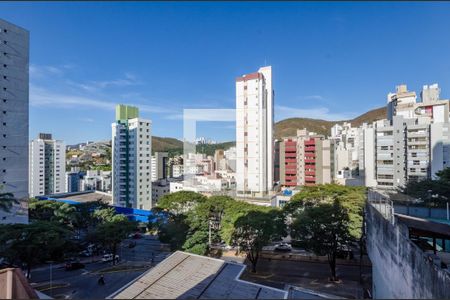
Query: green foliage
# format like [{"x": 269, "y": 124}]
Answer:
[
  {"x": 197, "y": 243},
  {"x": 183, "y": 220},
  {"x": 111, "y": 233},
  {"x": 352, "y": 198},
  {"x": 255, "y": 229},
  {"x": 433, "y": 193},
  {"x": 53, "y": 211},
  {"x": 174, "y": 231},
  {"x": 324, "y": 228},
  {"x": 7, "y": 201},
  {"x": 209, "y": 149},
  {"x": 102, "y": 167},
  {"x": 180, "y": 202},
  {"x": 33, "y": 243},
  {"x": 104, "y": 215}
]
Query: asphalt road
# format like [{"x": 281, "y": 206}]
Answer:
[
  {"x": 311, "y": 275},
  {"x": 83, "y": 283}
]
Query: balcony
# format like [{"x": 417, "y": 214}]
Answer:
[
  {"x": 310, "y": 154},
  {"x": 291, "y": 166},
  {"x": 310, "y": 148},
  {"x": 310, "y": 143},
  {"x": 291, "y": 172},
  {"x": 310, "y": 161},
  {"x": 310, "y": 173},
  {"x": 290, "y": 144},
  {"x": 290, "y": 160}
]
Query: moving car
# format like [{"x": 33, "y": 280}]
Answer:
[
  {"x": 283, "y": 247},
  {"x": 73, "y": 266},
  {"x": 109, "y": 257}
]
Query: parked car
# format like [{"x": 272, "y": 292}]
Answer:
[
  {"x": 109, "y": 257},
  {"x": 73, "y": 266},
  {"x": 283, "y": 247}
]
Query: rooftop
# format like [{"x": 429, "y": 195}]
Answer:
[
  {"x": 88, "y": 197},
  {"x": 188, "y": 276}
]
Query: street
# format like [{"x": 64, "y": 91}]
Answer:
[
  {"x": 310, "y": 275},
  {"x": 82, "y": 283}
]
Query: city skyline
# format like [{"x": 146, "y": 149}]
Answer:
[{"x": 326, "y": 60}]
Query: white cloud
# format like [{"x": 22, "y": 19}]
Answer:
[
  {"x": 323, "y": 113},
  {"x": 87, "y": 120},
  {"x": 41, "y": 71},
  {"x": 314, "y": 97},
  {"x": 93, "y": 86},
  {"x": 40, "y": 97}
]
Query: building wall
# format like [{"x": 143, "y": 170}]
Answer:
[
  {"x": 47, "y": 167},
  {"x": 131, "y": 167},
  {"x": 400, "y": 269},
  {"x": 254, "y": 126},
  {"x": 14, "y": 107}
]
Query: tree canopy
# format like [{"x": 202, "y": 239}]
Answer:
[
  {"x": 7, "y": 200},
  {"x": 432, "y": 192},
  {"x": 180, "y": 202},
  {"x": 324, "y": 228},
  {"x": 33, "y": 243}
]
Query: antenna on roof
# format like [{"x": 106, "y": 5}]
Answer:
[{"x": 265, "y": 62}]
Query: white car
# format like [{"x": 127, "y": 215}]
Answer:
[
  {"x": 283, "y": 247},
  {"x": 109, "y": 257}
]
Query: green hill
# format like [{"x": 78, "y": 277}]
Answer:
[{"x": 289, "y": 127}]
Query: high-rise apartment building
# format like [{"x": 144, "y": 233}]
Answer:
[
  {"x": 14, "y": 103},
  {"x": 47, "y": 166},
  {"x": 305, "y": 159},
  {"x": 254, "y": 133},
  {"x": 131, "y": 155},
  {"x": 159, "y": 165},
  {"x": 412, "y": 144}
]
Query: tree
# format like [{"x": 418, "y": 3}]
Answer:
[
  {"x": 33, "y": 243},
  {"x": 174, "y": 231},
  {"x": 256, "y": 229},
  {"x": 433, "y": 192},
  {"x": 112, "y": 232},
  {"x": 204, "y": 217},
  {"x": 180, "y": 202},
  {"x": 324, "y": 228},
  {"x": 104, "y": 215},
  {"x": 7, "y": 201},
  {"x": 352, "y": 198},
  {"x": 54, "y": 211}
]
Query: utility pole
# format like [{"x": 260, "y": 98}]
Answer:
[{"x": 209, "y": 229}]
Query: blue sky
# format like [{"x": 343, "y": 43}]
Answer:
[{"x": 330, "y": 60}]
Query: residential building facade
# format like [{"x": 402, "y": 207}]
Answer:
[
  {"x": 159, "y": 165},
  {"x": 14, "y": 107},
  {"x": 131, "y": 155},
  {"x": 254, "y": 133},
  {"x": 47, "y": 166}
]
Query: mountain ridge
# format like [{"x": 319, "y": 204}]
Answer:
[{"x": 284, "y": 128}]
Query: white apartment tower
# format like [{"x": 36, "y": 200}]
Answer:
[
  {"x": 254, "y": 133},
  {"x": 131, "y": 159},
  {"x": 14, "y": 103},
  {"x": 47, "y": 166}
]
